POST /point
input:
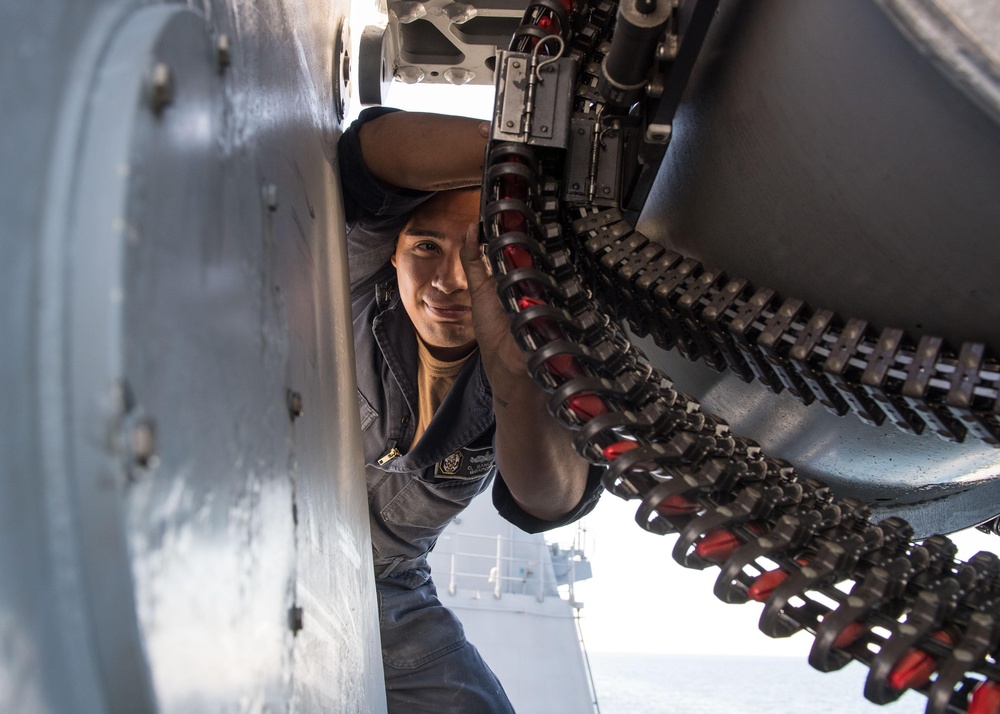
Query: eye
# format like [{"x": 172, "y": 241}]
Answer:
[{"x": 426, "y": 246}]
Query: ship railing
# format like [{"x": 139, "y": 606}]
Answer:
[{"x": 506, "y": 564}]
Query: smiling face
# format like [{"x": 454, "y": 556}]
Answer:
[{"x": 432, "y": 283}]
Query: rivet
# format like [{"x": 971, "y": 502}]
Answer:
[
  {"x": 580, "y": 131},
  {"x": 516, "y": 65},
  {"x": 270, "y": 193},
  {"x": 223, "y": 53},
  {"x": 545, "y": 130},
  {"x": 161, "y": 87},
  {"x": 510, "y": 123},
  {"x": 295, "y": 405},
  {"x": 607, "y": 189},
  {"x": 144, "y": 443},
  {"x": 295, "y": 619},
  {"x": 576, "y": 187}
]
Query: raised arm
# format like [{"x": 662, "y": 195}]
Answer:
[
  {"x": 534, "y": 453},
  {"x": 427, "y": 152}
]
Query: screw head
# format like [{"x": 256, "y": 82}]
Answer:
[
  {"x": 295, "y": 619},
  {"x": 270, "y": 194},
  {"x": 143, "y": 443},
  {"x": 161, "y": 84},
  {"x": 295, "y": 405},
  {"x": 223, "y": 52}
]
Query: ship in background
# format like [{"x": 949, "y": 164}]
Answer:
[
  {"x": 182, "y": 526},
  {"x": 514, "y": 593}
]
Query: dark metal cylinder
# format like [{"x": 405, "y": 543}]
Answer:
[{"x": 638, "y": 29}]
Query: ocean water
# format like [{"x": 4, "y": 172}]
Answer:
[{"x": 709, "y": 684}]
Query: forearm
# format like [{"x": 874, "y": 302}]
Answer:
[
  {"x": 535, "y": 454},
  {"x": 427, "y": 152}
]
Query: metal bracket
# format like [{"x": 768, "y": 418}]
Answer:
[
  {"x": 594, "y": 162},
  {"x": 545, "y": 119}
]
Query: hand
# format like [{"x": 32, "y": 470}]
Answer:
[{"x": 490, "y": 322}]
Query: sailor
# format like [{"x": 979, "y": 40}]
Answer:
[{"x": 447, "y": 406}]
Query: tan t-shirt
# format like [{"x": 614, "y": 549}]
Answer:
[{"x": 434, "y": 379}]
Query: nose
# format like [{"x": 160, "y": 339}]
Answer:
[{"x": 450, "y": 275}]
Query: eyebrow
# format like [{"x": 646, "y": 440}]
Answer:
[{"x": 423, "y": 233}]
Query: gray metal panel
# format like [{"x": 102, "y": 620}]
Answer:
[
  {"x": 173, "y": 538},
  {"x": 821, "y": 154}
]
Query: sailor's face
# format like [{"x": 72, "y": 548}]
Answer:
[{"x": 432, "y": 283}]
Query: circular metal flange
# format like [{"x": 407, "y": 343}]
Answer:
[
  {"x": 151, "y": 324},
  {"x": 342, "y": 69},
  {"x": 374, "y": 70}
]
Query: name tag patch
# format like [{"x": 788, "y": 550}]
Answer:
[{"x": 465, "y": 463}]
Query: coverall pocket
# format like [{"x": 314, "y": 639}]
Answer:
[
  {"x": 419, "y": 511},
  {"x": 368, "y": 414}
]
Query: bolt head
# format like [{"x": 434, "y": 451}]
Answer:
[
  {"x": 161, "y": 87},
  {"x": 270, "y": 194},
  {"x": 143, "y": 443},
  {"x": 295, "y": 619},
  {"x": 295, "y": 405},
  {"x": 223, "y": 52}
]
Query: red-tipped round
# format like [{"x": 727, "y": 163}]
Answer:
[
  {"x": 563, "y": 366},
  {"x": 587, "y": 406},
  {"x": 717, "y": 545},
  {"x": 765, "y": 584},
  {"x": 914, "y": 669},
  {"x": 850, "y": 634},
  {"x": 513, "y": 221},
  {"x": 518, "y": 257},
  {"x": 613, "y": 451},
  {"x": 678, "y": 505},
  {"x": 985, "y": 698}
]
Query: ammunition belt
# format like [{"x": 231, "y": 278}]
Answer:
[{"x": 915, "y": 615}]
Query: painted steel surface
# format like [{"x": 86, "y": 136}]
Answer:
[
  {"x": 181, "y": 499},
  {"x": 826, "y": 153}
]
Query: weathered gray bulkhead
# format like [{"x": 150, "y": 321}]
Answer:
[{"x": 182, "y": 522}]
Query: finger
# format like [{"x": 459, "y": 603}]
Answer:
[
  {"x": 472, "y": 249},
  {"x": 473, "y": 258}
]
